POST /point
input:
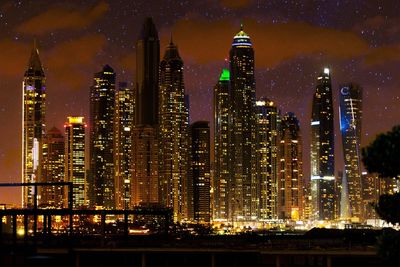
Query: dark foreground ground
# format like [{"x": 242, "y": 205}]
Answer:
[{"x": 315, "y": 248}]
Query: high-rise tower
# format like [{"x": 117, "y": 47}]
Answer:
[
  {"x": 53, "y": 169},
  {"x": 144, "y": 185},
  {"x": 290, "y": 181},
  {"x": 147, "y": 71},
  {"x": 244, "y": 202},
  {"x": 123, "y": 144},
  {"x": 33, "y": 125},
  {"x": 102, "y": 101},
  {"x": 173, "y": 148},
  {"x": 350, "y": 111},
  {"x": 199, "y": 172},
  {"x": 322, "y": 150},
  {"x": 222, "y": 146},
  {"x": 75, "y": 159},
  {"x": 266, "y": 154}
]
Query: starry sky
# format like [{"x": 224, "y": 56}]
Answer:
[{"x": 293, "y": 41}]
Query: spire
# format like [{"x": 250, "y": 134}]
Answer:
[
  {"x": 172, "y": 51},
  {"x": 170, "y": 39},
  {"x": 241, "y": 39},
  {"x": 149, "y": 29},
  {"x": 35, "y": 67}
]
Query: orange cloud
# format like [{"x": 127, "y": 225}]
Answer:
[
  {"x": 383, "y": 54},
  {"x": 235, "y": 3},
  {"x": 205, "y": 42},
  {"x": 16, "y": 55},
  {"x": 69, "y": 61},
  {"x": 59, "y": 18}
]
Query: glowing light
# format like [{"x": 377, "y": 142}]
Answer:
[
  {"x": 225, "y": 75},
  {"x": 260, "y": 103},
  {"x": 326, "y": 71},
  {"x": 314, "y": 123},
  {"x": 21, "y": 231},
  {"x": 76, "y": 120}
]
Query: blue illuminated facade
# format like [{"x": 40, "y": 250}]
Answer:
[{"x": 350, "y": 111}]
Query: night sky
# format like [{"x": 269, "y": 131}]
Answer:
[{"x": 293, "y": 41}]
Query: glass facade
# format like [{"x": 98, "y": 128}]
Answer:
[
  {"x": 199, "y": 174},
  {"x": 33, "y": 125},
  {"x": 102, "y": 103},
  {"x": 290, "y": 182},
  {"x": 350, "y": 111},
  {"x": 267, "y": 156},
  {"x": 222, "y": 146},
  {"x": 53, "y": 169},
  {"x": 75, "y": 159},
  {"x": 243, "y": 202},
  {"x": 173, "y": 148},
  {"x": 123, "y": 145},
  {"x": 144, "y": 184},
  {"x": 322, "y": 150}
]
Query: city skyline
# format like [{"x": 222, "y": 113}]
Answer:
[{"x": 195, "y": 112}]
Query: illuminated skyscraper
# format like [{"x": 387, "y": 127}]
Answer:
[
  {"x": 75, "y": 159},
  {"x": 199, "y": 173},
  {"x": 290, "y": 181},
  {"x": 102, "y": 101},
  {"x": 123, "y": 144},
  {"x": 244, "y": 203},
  {"x": 322, "y": 150},
  {"x": 173, "y": 148},
  {"x": 53, "y": 169},
  {"x": 145, "y": 127},
  {"x": 266, "y": 155},
  {"x": 33, "y": 125},
  {"x": 350, "y": 111},
  {"x": 222, "y": 146}
]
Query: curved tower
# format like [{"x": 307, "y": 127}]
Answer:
[{"x": 350, "y": 111}]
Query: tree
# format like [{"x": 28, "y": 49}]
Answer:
[{"x": 382, "y": 156}]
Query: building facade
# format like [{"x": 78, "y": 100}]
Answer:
[
  {"x": 145, "y": 127},
  {"x": 173, "y": 127},
  {"x": 245, "y": 198},
  {"x": 223, "y": 173},
  {"x": 33, "y": 125},
  {"x": 144, "y": 189},
  {"x": 53, "y": 169},
  {"x": 199, "y": 173},
  {"x": 267, "y": 156},
  {"x": 322, "y": 150},
  {"x": 350, "y": 111},
  {"x": 123, "y": 125},
  {"x": 75, "y": 169},
  {"x": 102, "y": 101},
  {"x": 290, "y": 182}
]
